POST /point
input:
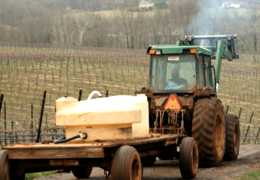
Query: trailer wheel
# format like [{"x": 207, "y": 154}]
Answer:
[
  {"x": 4, "y": 165},
  {"x": 232, "y": 137},
  {"x": 189, "y": 158},
  {"x": 82, "y": 172},
  {"x": 126, "y": 164}
]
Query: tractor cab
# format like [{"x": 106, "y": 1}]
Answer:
[
  {"x": 180, "y": 69},
  {"x": 183, "y": 81}
]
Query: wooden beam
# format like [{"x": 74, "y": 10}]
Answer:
[
  {"x": 55, "y": 153},
  {"x": 80, "y": 150}
]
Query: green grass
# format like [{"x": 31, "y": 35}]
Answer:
[
  {"x": 253, "y": 175},
  {"x": 32, "y": 176}
]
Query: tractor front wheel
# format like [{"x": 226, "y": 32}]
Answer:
[{"x": 208, "y": 129}]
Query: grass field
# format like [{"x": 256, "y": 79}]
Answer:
[
  {"x": 254, "y": 175},
  {"x": 26, "y": 72},
  {"x": 35, "y": 175}
]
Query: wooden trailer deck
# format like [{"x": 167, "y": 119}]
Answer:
[{"x": 96, "y": 149}]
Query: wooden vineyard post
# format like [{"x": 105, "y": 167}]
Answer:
[
  {"x": 5, "y": 125},
  {"x": 1, "y": 103},
  {"x": 32, "y": 124},
  {"x": 13, "y": 134},
  {"x": 41, "y": 117},
  {"x": 239, "y": 113},
  {"x": 248, "y": 127},
  {"x": 227, "y": 109},
  {"x": 80, "y": 95}
]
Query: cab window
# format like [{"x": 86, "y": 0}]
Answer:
[{"x": 173, "y": 73}]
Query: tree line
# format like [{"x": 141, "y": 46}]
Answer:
[{"x": 120, "y": 24}]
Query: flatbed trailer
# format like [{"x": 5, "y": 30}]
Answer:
[{"x": 122, "y": 159}]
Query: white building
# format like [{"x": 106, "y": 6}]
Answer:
[
  {"x": 146, "y": 4},
  {"x": 230, "y": 5}
]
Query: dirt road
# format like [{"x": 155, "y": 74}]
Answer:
[{"x": 249, "y": 160}]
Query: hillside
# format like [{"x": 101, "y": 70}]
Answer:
[{"x": 120, "y": 24}]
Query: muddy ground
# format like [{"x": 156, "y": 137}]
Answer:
[{"x": 249, "y": 160}]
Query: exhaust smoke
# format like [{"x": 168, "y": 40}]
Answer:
[{"x": 206, "y": 21}]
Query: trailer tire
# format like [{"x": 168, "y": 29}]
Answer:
[
  {"x": 232, "y": 137},
  {"x": 208, "y": 129},
  {"x": 189, "y": 158},
  {"x": 126, "y": 164},
  {"x": 4, "y": 165},
  {"x": 82, "y": 172}
]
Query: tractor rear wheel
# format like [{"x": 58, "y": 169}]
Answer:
[
  {"x": 232, "y": 137},
  {"x": 4, "y": 165},
  {"x": 82, "y": 172},
  {"x": 189, "y": 158},
  {"x": 126, "y": 164},
  {"x": 208, "y": 129}
]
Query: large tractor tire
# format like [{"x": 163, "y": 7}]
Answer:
[
  {"x": 126, "y": 164},
  {"x": 232, "y": 137},
  {"x": 189, "y": 158},
  {"x": 208, "y": 129},
  {"x": 82, "y": 172},
  {"x": 4, "y": 165}
]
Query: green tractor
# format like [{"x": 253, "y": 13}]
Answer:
[{"x": 182, "y": 95}]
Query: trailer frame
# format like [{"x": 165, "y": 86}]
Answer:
[{"x": 27, "y": 158}]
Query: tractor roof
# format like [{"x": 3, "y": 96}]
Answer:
[{"x": 176, "y": 49}]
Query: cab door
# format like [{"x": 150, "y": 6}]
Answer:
[
  {"x": 209, "y": 73},
  {"x": 205, "y": 72},
  {"x": 200, "y": 72}
]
